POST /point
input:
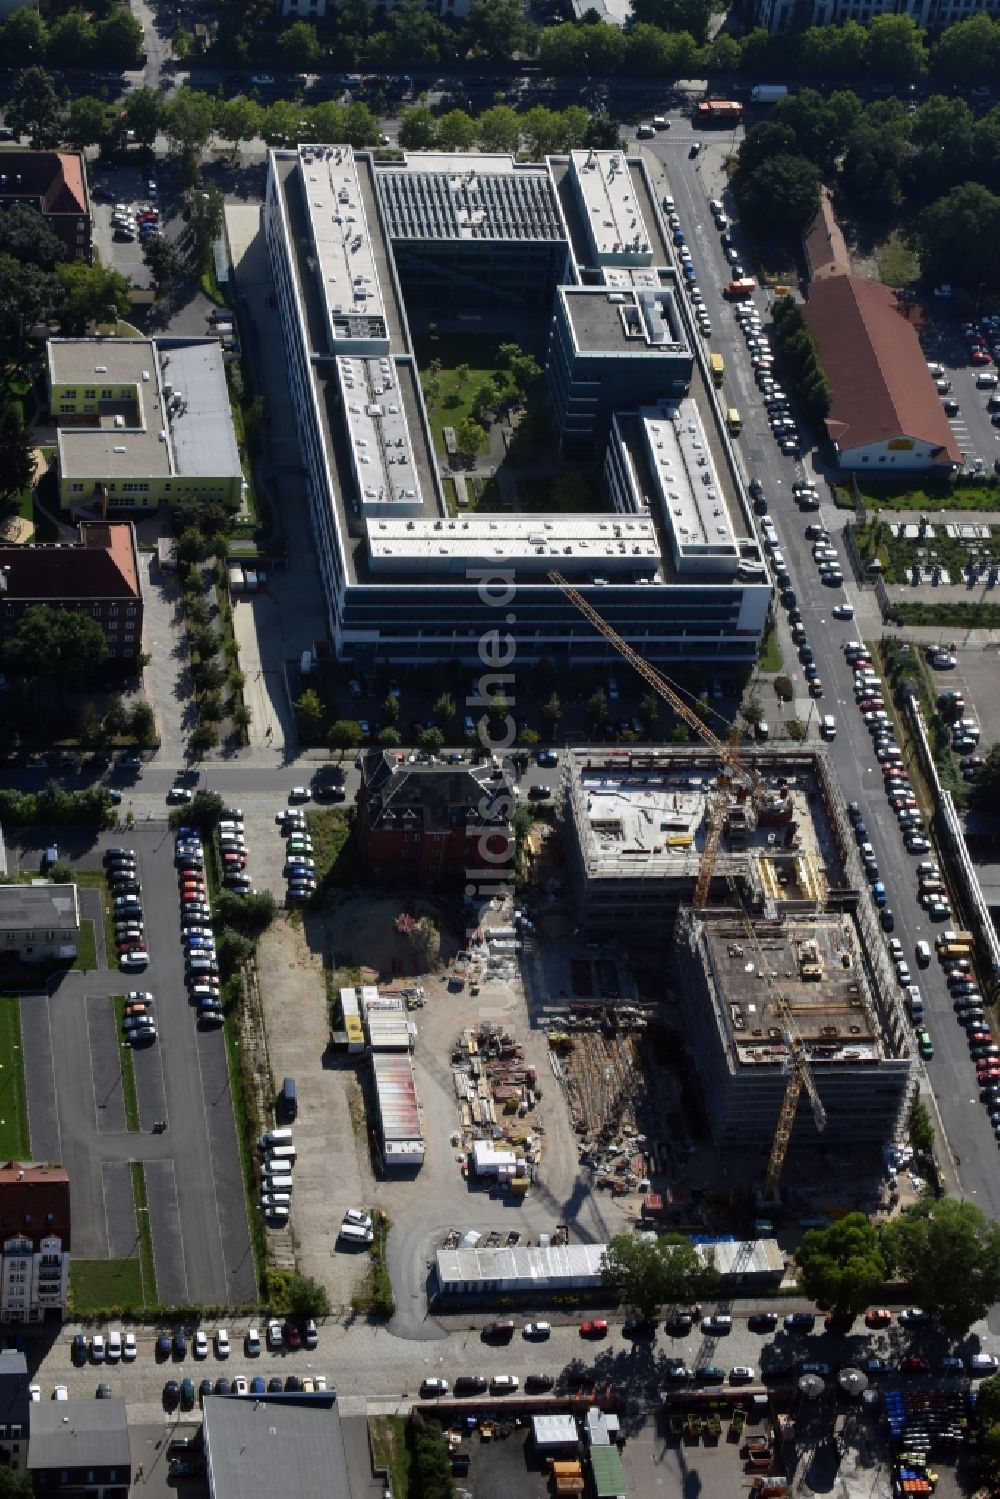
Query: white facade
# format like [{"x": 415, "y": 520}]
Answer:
[
  {"x": 934, "y": 15},
  {"x": 899, "y": 453},
  {"x": 35, "y": 1281}
]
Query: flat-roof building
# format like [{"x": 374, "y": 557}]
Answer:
[
  {"x": 80, "y": 1447},
  {"x": 260, "y": 1446},
  {"x": 142, "y": 421},
  {"x": 404, "y": 581},
  {"x": 401, "y": 1134},
  {"x": 728, "y": 970},
  {"x": 39, "y": 922}
]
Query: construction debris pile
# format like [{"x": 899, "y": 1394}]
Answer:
[
  {"x": 498, "y": 1096},
  {"x": 602, "y": 1076}
]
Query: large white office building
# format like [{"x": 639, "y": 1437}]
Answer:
[{"x": 580, "y": 239}]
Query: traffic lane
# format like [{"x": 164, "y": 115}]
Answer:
[
  {"x": 227, "y": 1169},
  {"x": 119, "y": 1207},
  {"x": 40, "y": 1080},
  {"x": 74, "y": 1087},
  {"x": 169, "y": 1237},
  {"x": 105, "y": 1064}
]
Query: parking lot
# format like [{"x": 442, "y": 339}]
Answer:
[
  {"x": 976, "y": 436},
  {"x": 975, "y": 678},
  {"x": 127, "y": 184},
  {"x": 73, "y": 1078}
]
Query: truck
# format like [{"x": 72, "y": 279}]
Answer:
[
  {"x": 718, "y": 112},
  {"x": 768, "y": 93},
  {"x": 740, "y": 290},
  {"x": 717, "y": 365}
]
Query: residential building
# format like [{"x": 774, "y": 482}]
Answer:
[
  {"x": 142, "y": 422},
  {"x": 81, "y": 1447},
  {"x": 266, "y": 1445},
  {"x": 933, "y": 15},
  {"x": 55, "y": 183},
  {"x": 15, "y": 1405},
  {"x": 35, "y": 1235},
  {"x": 885, "y": 413},
  {"x": 97, "y": 575},
  {"x": 427, "y": 825},
  {"x": 39, "y": 922},
  {"x": 823, "y": 243},
  {"x": 406, "y": 581}
]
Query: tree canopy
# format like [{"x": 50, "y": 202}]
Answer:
[
  {"x": 650, "y": 1273},
  {"x": 948, "y": 1252},
  {"x": 64, "y": 644},
  {"x": 842, "y": 1267}
]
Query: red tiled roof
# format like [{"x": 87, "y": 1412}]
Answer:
[
  {"x": 101, "y": 565},
  {"x": 34, "y": 1203},
  {"x": 872, "y": 359},
  {"x": 55, "y": 178},
  {"x": 824, "y": 243}
]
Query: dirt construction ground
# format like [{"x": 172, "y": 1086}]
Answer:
[{"x": 334, "y": 1171}]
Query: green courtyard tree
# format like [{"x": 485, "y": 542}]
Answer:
[
  {"x": 650, "y": 1273},
  {"x": 165, "y": 261},
  {"x": 469, "y": 438},
  {"x": 33, "y": 109},
  {"x": 62, "y": 644},
  {"x": 309, "y": 715},
  {"x": 91, "y": 294},
  {"x": 17, "y": 457},
  {"x": 144, "y": 114},
  {"x": 948, "y": 1252},
  {"x": 842, "y": 1267},
  {"x": 205, "y": 224}
]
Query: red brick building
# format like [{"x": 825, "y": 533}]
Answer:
[
  {"x": 426, "y": 825},
  {"x": 98, "y": 574},
  {"x": 54, "y": 182}
]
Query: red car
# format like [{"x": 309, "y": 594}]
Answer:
[
  {"x": 979, "y": 356},
  {"x": 293, "y": 1334},
  {"x": 915, "y": 1363},
  {"x": 596, "y": 1329},
  {"x": 879, "y": 1316}
]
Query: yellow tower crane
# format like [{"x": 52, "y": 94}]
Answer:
[{"x": 800, "y": 1074}]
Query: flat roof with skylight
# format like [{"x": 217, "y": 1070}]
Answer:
[
  {"x": 532, "y": 543},
  {"x": 381, "y": 450},
  {"x": 690, "y": 493},
  {"x": 614, "y": 221},
  {"x": 624, "y": 321},
  {"x": 435, "y": 196}
]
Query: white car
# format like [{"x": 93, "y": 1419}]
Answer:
[
  {"x": 843, "y": 611},
  {"x": 60, "y": 1392},
  {"x": 114, "y": 1352},
  {"x": 200, "y": 1344},
  {"x": 358, "y": 1217},
  {"x": 129, "y": 1348},
  {"x": 537, "y": 1329},
  {"x": 222, "y": 1343},
  {"x": 300, "y": 794},
  {"x": 97, "y": 1348},
  {"x": 275, "y": 1337},
  {"x": 433, "y": 1386},
  {"x": 742, "y": 1374},
  {"x": 320, "y": 1381},
  {"x": 34, "y": 1393},
  {"x": 252, "y": 1344},
  {"x": 240, "y": 1386}
]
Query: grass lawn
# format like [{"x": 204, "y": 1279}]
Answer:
[
  {"x": 905, "y": 495},
  {"x": 14, "y": 1143},
  {"x": 97, "y": 1284},
  {"x": 770, "y": 651},
  {"x": 86, "y": 953},
  {"x": 455, "y": 394},
  {"x": 146, "y": 1262},
  {"x": 571, "y": 493},
  {"x": 334, "y": 849},
  {"x": 128, "y": 1070},
  {"x": 956, "y": 616},
  {"x": 391, "y": 1450},
  {"x": 241, "y": 1086},
  {"x": 897, "y": 263}
]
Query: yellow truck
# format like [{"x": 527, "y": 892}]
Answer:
[
  {"x": 717, "y": 365},
  {"x": 734, "y": 421}
]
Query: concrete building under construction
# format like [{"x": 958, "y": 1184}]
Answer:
[
  {"x": 732, "y": 974},
  {"x": 638, "y": 822}
]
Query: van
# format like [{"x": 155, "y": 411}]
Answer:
[
  {"x": 274, "y": 1184},
  {"x": 499, "y": 1330},
  {"x": 987, "y": 380},
  {"x": 734, "y": 421},
  {"x": 993, "y": 404},
  {"x": 287, "y": 1102},
  {"x": 915, "y": 1002},
  {"x": 353, "y": 1233},
  {"x": 717, "y": 365},
  {"x": 280, "y": 1153},
  {"x": 201, "y": 963},
  {"x": 275, "y": 1137},
  {"x": 829, "y": 726}
]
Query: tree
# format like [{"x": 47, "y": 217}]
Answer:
[
  {"x": 71, "y": 40},
  {"x": 63, "y": 644},
  {"x": 87, "y": 122},
  {"x": 34, "y": 109},
  {"x": 968, "y": 52},
  {"x": 360, "y": 126},
  {"x": 165, "y": 261},
  {"x": 26, "y": 236},
  {"x": 597, "y": 708},
  {"x": 181, "y": 44},
  {"x": 650, "y": 707},
  {"x": 91, "y": 294},
  {"x": 119, "y": 40},
  {"x": 650, "y": 1273},
  {"x": 988, "y": 1395},
  {"x": 205, "y": 224},
  {"x": 27, "y": 296},
  {"x": 192, "y": 546},
  {"x": 781, "y": 195},
  {"x": 144, "y": 113},
  {"x": 345, "y": 734},
  {"x": 456, "y": 131},
  {"x": 238, "y": 120},
  {"x": 499, "y": 129},
  {"x": 674, "y": 15},
  {"x": 298, "y": 47},
  {"x": 431, "y": 741},
  {"x": 188, "y": 120},
  {"x": 280, "y": 123},
  {"x": 203, "y": 737},
  {"x": 142, "y": 725},
  {"x": 15, "y": 1485},
  {"x": 551, "y": 714},
  {"x": 389, "y": 738},
  {"x": 897, "y": 48},
  {"x": 309, "y": 715},
  {"x": 985, "y": 792},
  {"x": 469, "y": 438},
  {"x": 842, "y": 1267},
  {"x": 948, "y": 1252},
  {"x": 306, "y": 1297},
  {"x": 250, "y": 914},
  {"x": 753, "y": 710},
  {"x": 955, "y": 235},
  {"x": 496, "y": 28},
  {"x": 444, "y": 708},
  {"x": 22, "y": 37},
  {"x": 17, "y": 453},
  {"x": 418, "y": 129},
  {"x": 540, "y": 128}
]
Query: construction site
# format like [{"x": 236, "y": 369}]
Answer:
[{"x": 498, "y": 1096}]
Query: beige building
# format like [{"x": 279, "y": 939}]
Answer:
[
  {"x": 39, "y": 922},
  {"x": 142, "y": 422}
]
